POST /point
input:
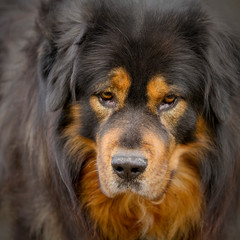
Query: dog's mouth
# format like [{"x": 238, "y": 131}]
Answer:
[
  {"x": 139, "y": 186},
  {"x": 128, "y": 186},
  {"x": 132, "y": 175}
]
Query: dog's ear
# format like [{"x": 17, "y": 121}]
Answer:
[
  {"x": 51, "y": 79},
  {"x": 224, "y": 73},
  {"x": 56, "y": 69},
  {"x": 60, "y": 46}
]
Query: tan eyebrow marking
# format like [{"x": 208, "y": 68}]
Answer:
[
  {"x": 156, "y": 90},
  {"x": 120, "y": 84},
  {"x": 120, "y": 79}
]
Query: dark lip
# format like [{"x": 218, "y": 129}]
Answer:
[
  {"x": 130, "y": 184},
  {"x": 134, "y": 186}
]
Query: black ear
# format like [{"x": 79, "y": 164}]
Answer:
[
  {"x": 53, "y": 82},
  {"x": 62, "y": 32},
  {"x": 55, "y": 68},
  {"x": 224, "y": 74}
]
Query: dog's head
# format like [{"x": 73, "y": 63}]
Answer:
[{"x": 143, "y": 84}]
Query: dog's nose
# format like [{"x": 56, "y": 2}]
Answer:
[{"x": 128, "y": 167}]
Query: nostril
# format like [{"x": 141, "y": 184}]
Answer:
[
  {"x": 119, "y": 169},
  {"x": 128, "y": 167},
  {"x": 135, "y": 170}
]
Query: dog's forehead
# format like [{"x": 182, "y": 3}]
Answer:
[
  {"x": 144, "y": 48},
  {"x": 137, "y": 90}
]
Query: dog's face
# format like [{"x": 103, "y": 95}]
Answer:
[
  {"x": 139, "y": 100},
  {"x": 138, "y": 132},
  {"x": 136, "y": 87}
]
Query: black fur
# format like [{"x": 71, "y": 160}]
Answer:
[{"x": 53, "y": 53}]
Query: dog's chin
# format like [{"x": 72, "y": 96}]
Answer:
[{"x": 134, "y": 189}]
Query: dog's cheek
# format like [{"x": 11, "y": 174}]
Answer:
[
  {"x": 106, "y": 148},
  {"x": 184, "y": 131}
]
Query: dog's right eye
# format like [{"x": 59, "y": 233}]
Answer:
[
  {"x": 168, "y": 102},
  {"x": 107, "y": 99}
]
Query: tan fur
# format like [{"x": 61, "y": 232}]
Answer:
[
  {"x": 75, "y": 143},
  {"x": 120, "y": 79},
  {"x": 156, "y": 90},
  {"x": 107, "y": 147}
]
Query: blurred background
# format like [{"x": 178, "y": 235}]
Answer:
[{"x": 226, "y": 11}]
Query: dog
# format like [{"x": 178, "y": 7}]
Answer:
[{"x": 119, "y": 120}]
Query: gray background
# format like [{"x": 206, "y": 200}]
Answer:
[{"x": 227, "y": 11}]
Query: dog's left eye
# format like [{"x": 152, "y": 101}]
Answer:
[
  {"x": 107, "y": 99},
  {"x": 168, "y": 102}
]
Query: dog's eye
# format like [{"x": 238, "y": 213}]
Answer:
[
  {"x": 107, "y": 99},
  {"x": 106, "y": 96},
  {"x": 168, "y": 102}
]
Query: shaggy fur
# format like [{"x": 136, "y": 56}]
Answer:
[{"x": 86, "y": 82}]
